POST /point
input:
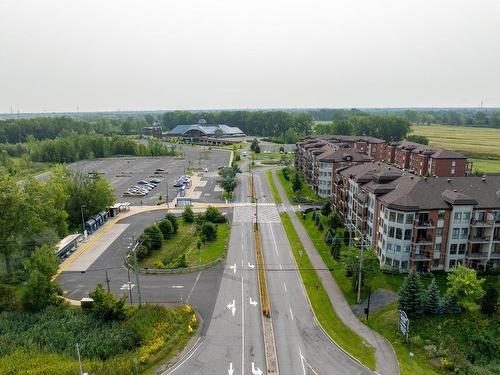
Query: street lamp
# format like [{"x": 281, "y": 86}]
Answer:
[{"x": 83, "y": 219}]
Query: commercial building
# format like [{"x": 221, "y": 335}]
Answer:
[
  {"x": 204, "y": 133},
  {"x": 153, "y": 131},
  {"x": 427, "y": 223}
]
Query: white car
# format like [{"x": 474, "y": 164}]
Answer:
[{"x": 205, "y": 170}]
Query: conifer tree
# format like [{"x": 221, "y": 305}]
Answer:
[
  {"x": 450, "y": 305},
  {"x": 411, "y": 299},
  {"x": 432, "y": 301},
  {"x": 336, "y": 247}
]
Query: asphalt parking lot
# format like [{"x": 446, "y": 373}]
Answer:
[{"x": 123, "y": 172}]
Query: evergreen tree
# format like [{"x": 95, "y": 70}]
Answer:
[
  {"x": 432, "y": 301},
  {"x": 166, "y": 227},
  {"x": 173, "y": 220},
  {"x": 411, "y": 299},
  {"x": 296, "y": 182},
  {"x": 489, "y": 301},
  {"x": 450, "y": 305},
  {"x": 155, "y": 237},
  {"x": 336, "y": 247},
  {"x": 188, "y": 215},
  {"x": 328, "y": 237},
  {"x": 326, "y": 209}
]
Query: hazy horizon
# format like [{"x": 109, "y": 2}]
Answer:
[{"x": 94, "y": 56}]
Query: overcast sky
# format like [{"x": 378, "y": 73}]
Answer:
[{"x": 189, "y": 54}]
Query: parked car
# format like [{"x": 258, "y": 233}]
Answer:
[
  {"x": 205, "y": 170},
  {"x": 142, "y": 182},
  {"x": 155, "y": 181},
  {"x": 178, "y": 184}
]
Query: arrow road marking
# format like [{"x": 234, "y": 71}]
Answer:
[
  {"x": 252, "y": 302},
  {"x": 256, "y": 371},
  {"x": 127, "y": 286},
  {"x": 232, "y": 307},
  {"x": 230, "y": 371},
  {"x": 233, "y": 267},
  {"x": 252, "y": 266}
]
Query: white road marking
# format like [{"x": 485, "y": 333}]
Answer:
[
  {"x": 274, "y": 241},
  {"x": 177, "y": 286},
  {"x": 291, "y": 313},
  {"x": 127, "y": 286},
  {"x": 302, "y": 362},
  {"x": 256, "y": 371},
  {"x": 233, "y": 267},
  {"x": 194, "y": 286},
  {"x": 284, "y": 287},
  {"x": 251, "y": 266},
  {"x": 252, "y": 302},
  {"x": 232, "y": 307},
  {"x": 242, "y": 328},
  {"x": 230, "y": 371},
  {"x": 281, "y": 267},
  {"x": 190, "y": 354}
]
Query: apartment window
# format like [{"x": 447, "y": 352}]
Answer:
[
  {"x": 466, "y": 217},
  {"x": 452, "y": 170},
  {"x": 408, "y": 234},
  {"x": 464, "y": 233},
  {"x": 439, "y": 232},
  {"x": 409, "y": 218},
  {"x": 389, "y": 247},
  {"x": 437, "y": 247},
  {"x": 453, "y": 249},
  {"x": 397, "y": 249},
  {"x": 453, "y": 163},
  {"x": 435, "y": 263},
  {"x": 385, "y": 228},
  {"x": 404, "y": 264},
  {"x": 455, "y": 233},
  {"x": 391, "y": 232},
  {"x": 497, "y": 217},
  {"x": 399, "y": 234},
  {"x": 388, "y": 261},
  {"x": 407, "y": 249},
  {"x": 392, "y": 216},
  {"x": 441, "y": 215},
  {"x": 461, "y": 249},
  {"x": 480, "y": 216},
  {"x": 401, "y": 218},
  {"x": 452, "y": 263},
  {"x": 457, "y": 217}
]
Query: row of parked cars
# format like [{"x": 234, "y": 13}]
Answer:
[
  {"x": 183, "y": 182},
  {"x": 142, "y": 188}
]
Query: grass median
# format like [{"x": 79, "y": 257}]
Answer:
[
  {"x": 272, "y": 186},
  {"x": 323, "y": 309}
]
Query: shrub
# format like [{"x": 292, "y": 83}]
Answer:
[
  {"x": 155, "y": 237},
  {"x": 450, "y": 305},
  {"x": 7, "y": 297},
  {"x": 464, "y": 285},
  {"x": 142, "y": 251},
  {"x": 188, "y": 215},
  {"x": 489, "y": 301},
  {"x": 173, "y": 220},
  {"x": 213, "y": 215},
  {"x": 166, "y": 227},
  {"x": 209, "y": 231},
  {"x": 326, "y": 209},
  {"x": 106, "y": 306}
]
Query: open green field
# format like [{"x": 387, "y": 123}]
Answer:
[
  {"x": 185, "y": 242},
  {"x": 480, "y": 144},
  {"x": 321, "y": 304},
  {"x": 306, "y": 193}
]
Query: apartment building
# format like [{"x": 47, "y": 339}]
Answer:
[
  {"x": 427, "y": 223},
  {"x": 318, "y": 158},
  {"x": 425, "y": 160}
]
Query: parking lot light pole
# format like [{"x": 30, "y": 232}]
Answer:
[
  {"x": 83, "y": 219},
  {"x": 136, "y": 264}
]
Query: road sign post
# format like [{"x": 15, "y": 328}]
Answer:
[{"x": 403, "y": 324}]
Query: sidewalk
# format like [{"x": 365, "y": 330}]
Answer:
[{"x": 385, "y": 358}]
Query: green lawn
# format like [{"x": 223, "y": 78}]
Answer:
[
  {"x": 211, "y": 250},
  {"x": 306, "y": 192},
  {"x": 480, "y": 144},
  {"x": 321, "y": 304},
  {"x": 185, "y": 242},
  {"x": 272, "y": 186}
]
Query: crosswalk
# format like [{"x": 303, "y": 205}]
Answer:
[{"x": 245, "y": 213}]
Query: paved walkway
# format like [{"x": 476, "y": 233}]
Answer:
[{"x": 385, "y": 358}]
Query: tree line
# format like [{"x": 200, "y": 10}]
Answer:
[
  {"x": 387, "y": 127},
  {"x": 36, "y": 214},
  {"x": 19, "y": 130},
  {"x": 74, "y": 147}
]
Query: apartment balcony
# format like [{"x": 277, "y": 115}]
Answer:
[
  {"x": 496, "y": 239},
  {"x": 480, "y": 240},
  {"x": 481, "y": 224},
  {"x": 479, "y": 255},
  {"x": 424, "y": 224},
  {"x": 423, "y": 241},
  {"x": 421, "y": 257},
  {"x": 494, "y": 255}
]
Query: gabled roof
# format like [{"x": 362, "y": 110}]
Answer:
[{"x": 342, "y": 154}]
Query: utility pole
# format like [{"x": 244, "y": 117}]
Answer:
[
  {"x": 137, "y": 273},
  {"x": 107, "y": 280},
  {"x": 83, "y": 219},
  {"x": 79, "y": 358},
  {"x": 129, "y": 286},
  {"x": 166, "y": 196}
]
